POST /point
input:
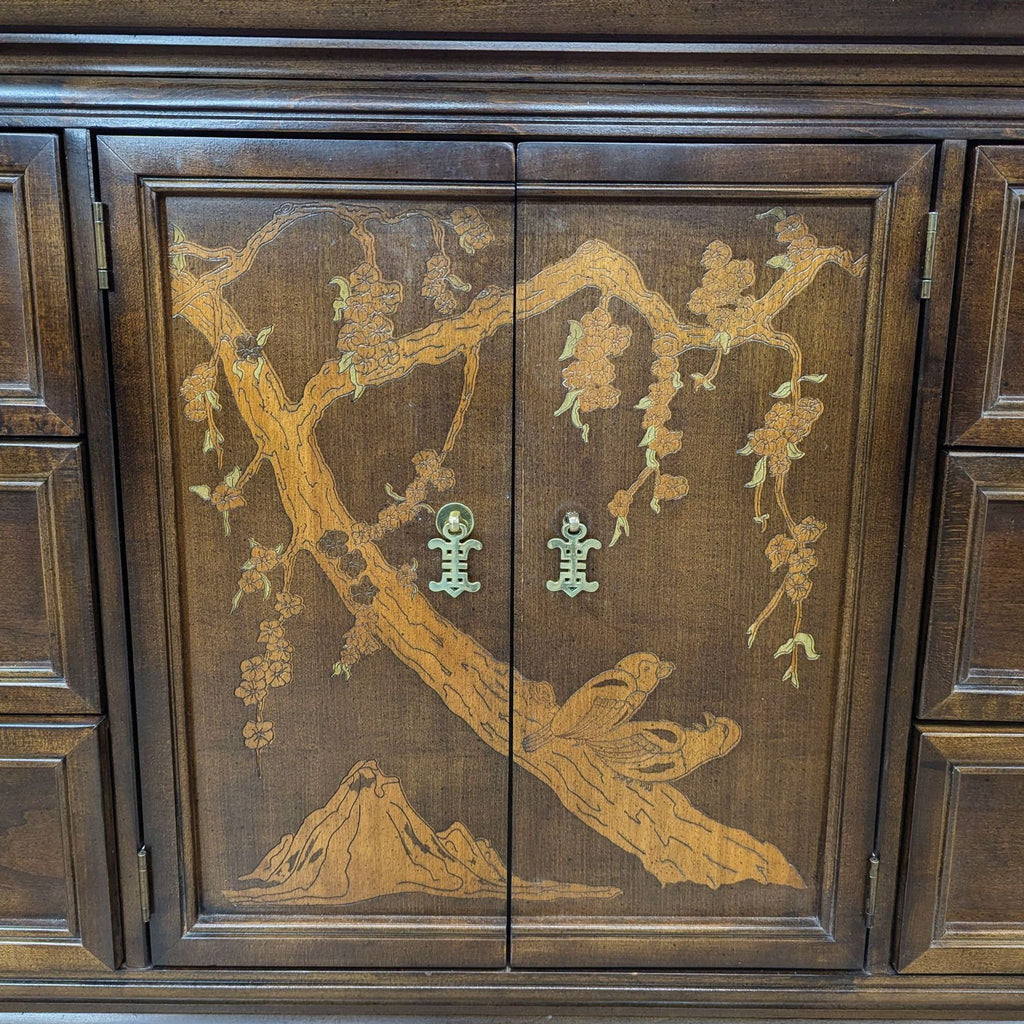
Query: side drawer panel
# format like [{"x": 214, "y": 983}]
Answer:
[
  {"x": 974, "y": 661},
  {"x": 55, "y": 892},
  {"x": 963, "y": 907},
  {"x": 47, "y": 626}
]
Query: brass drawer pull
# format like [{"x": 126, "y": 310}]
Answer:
[
  {"x": 572, "y": 569},
  {"x": 455, "y": 524}
]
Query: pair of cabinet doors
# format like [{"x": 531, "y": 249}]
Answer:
[{"x": 705, "y": 351}]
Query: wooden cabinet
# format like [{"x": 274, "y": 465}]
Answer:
[
  {"x": 55, "y": 885},
  {"x": 497, "y": 523},
  {"x": 974, "y": 662},
  {"x": 38, "y": 375},
  {"x": 47, "y": 622},
  {"x": 963, "y": 898},
  {"x": 987, "y": 392},
  {"x": 707, "y": 339}
]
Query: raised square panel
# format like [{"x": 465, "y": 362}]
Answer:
[
  {"x": 987, "y": 396},
  {"x": 47, "y": 628},
  {"x": 974, "y": 661},
  {"x": 38, "y": 376},
  {"x": 55, "y": 896},
  {"x": 963, "y": 909}
]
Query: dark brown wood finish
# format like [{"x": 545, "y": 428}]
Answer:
[
  {"x": 792, "y": 806},
  {"x": 55, "y": 884},
  {"x": 914, "y": 19},
  {"x": 38, "y": 377},
  {"x": 106, "y": 530},
  {"x": 251, "y": 728},
  {"x": 778, "y": 75},
  {"x": 974, "y": 661},
  {"x": 987, "y": 392},
  {"x": 925, "y": 443},
  {"x": 47, "y": 624},
  {"x": 963, "y": 908}
]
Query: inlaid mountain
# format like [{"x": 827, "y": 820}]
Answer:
[{"x": 367, "y": 841}]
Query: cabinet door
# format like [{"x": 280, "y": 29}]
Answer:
[
  {"x": 47, "y": 621},
  {"x": 55, "y": 886},
  {"x": 38, "y": 380},
  {"x": 715, "y": 347},
  {"x": 974, "y": 661},
  {"x": 987, "y": 391},
  {"x": 963, "y": 897},
  {"x": 312, "y": 358}
]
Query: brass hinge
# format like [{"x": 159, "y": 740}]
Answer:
[
  {"x": 929, "y": 255},
  {"x": 99, "y": 230},
  {"x": 144, "y": 882},
  {"x": 872, "y": 889}
]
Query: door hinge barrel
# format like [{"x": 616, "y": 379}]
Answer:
[
  {"x": 871, "y": 890},
  {"x": 144, "y": 906},
  {"x": 99, "y": 229},
  {"x": 929, "y": 255}
]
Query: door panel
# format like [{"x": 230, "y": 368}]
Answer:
[
  {"x": 47, "y": 621},
  {"x": 963, "y": 907},
  {"x": 325, "y": 737},
  {"x": 974, "y": 659},
  {"x": 987, "y": 391},
  {"x": 38, "y": 379},
  {"x": 55, "y": 889},
  {"x": 715, "y": 347}
]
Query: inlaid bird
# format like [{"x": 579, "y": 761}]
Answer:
[{"x": 598, "y": 716}]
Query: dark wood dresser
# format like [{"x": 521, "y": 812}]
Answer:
[{"x": 512, "y": 510}]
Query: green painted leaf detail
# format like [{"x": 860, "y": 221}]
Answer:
[
  {"x": 235, "y": 600},
  {"x": 466, "y": 245},
  {"x": 784, "y": 390},
  {"x": 258, "y": 369},
  {"x": 345, "y": 361},
  {"x": 201, "y": 491},
  {"x": 786, "y": 648},
  {"x": 236, "y": 369},
  {"x": 644, "y": 403},
  {"x": 760, "y": 473},
  {"x": 745, "y": 450},
  {"x": 573, "y": 337},
  {"x": 393, "y": 494},
  {"x": 791, "y": 674},
  {"x": 651, "y": 459},
  {"x": 570, "y": 401},
  {"x": 585, "y": 432},
  {"x": 227, "y": 524},
  {"x": 233, "y": 477},
  {"x": 214, "y": 399},
  {"x": 806, "y": 641},
  {"x": 207, "y": 443},
  {"x": 793, "y": 452},
  {"x": 724, "y": 340},
  {"x": 261, "y": 337},
  {"x": 776, "y": 211},
  {"x": 780, "y": 262},
  {"x": 458, "y": 284},
  {"x": 648, "y": 437},
  {"x": 655, "y": 505},
  {"x": 344, "y": 293},
  {"x": 266, "y": 586},
  {"x": 814, "y": 378}
]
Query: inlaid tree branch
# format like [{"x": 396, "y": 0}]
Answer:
[{"x": 610, "y": 770}]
